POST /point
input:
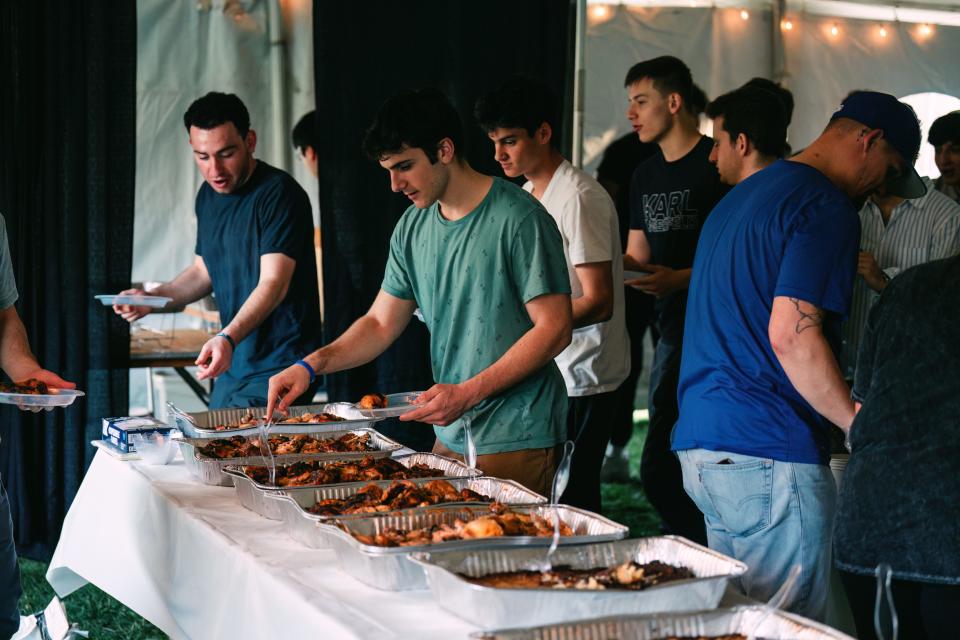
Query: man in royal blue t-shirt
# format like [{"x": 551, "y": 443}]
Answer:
[
  {"x": 759, "y": 380},
  {"x": 254, "y": 251}
]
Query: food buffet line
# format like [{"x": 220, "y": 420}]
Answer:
[{"x": 335, "y": 527}]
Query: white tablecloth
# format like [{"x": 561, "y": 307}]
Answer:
[{"x": 191, "y": 560}]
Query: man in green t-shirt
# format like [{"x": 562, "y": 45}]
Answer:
[{"x": 484, "y": 262}]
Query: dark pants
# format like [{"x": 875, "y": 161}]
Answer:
[
  {"x": 589, "y": 420},
  {"x": 9, "y": 572},
  {"x": 925, "y": 611},
  {"x": 639, "y": 313},
  {"x": 659, "y": 468}
]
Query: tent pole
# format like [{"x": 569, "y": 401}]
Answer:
[
  {"x": 578, "y": 79},
  {"x": 778, "y": 64},
  {"x": 280, "y": 146}
]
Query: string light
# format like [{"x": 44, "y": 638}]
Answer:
[
  {"x": 787, "y": 25},
  {"x": 834, "y": 30},
  {"x": 925, "y": 31},
  {"x": 882, "y": 32},
  {"x": 744, "y": 14},
  {"x": 599, "y": 11}
]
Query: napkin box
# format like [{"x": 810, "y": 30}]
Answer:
[{"x": 117, "y": 431}]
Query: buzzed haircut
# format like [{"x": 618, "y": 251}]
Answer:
[
  {"x": 669, "y": 75},
  {"x": 215, "y": 109},
  {"x": 519, "y": 103},
  {"x": 945, "y": 129},
  {"x": 756, "y": 113},
  {"x": 304, "y": 133},
  {"x": 786, "y": 97},
  {"x": 415, "y": 119}
]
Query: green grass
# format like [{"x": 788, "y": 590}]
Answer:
[
  {"x": 92, "y": 609},
  {"x": 107, "y": 619}
]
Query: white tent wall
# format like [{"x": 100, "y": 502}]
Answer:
[
  {"x": 185, "y": 49},
  {"x": 723, "y": 51}
]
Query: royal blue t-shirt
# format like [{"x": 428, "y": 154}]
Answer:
[
  {"x": 270, "y": 213},
  {"x": 785, "y": 231}
]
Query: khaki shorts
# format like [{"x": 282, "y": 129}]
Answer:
[{"x": 533, "y": 468}]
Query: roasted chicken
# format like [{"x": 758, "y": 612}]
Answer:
[
  {"x": 630, "y": 575},
  {"x": 300, "y": 474},
  {"x": 401, "y": 494},
  {"x": 31, "y": 386},
  {"x": 242, "y": 447}
]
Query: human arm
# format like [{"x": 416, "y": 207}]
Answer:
[
  {"x": 276, "y": 271},
  {"x": 190, "y": 285},
  {"x": 796, "y": 336},
  {"x": 638, "y": 250},
  {"x": 870, "y": 271},
  {"x": 550, "y": 334},
  {"x": 662, "y": 280},
  {"x": 16, "y": 358},
  {"x": 367, "y": 337},
  {"x": 596, "y": 303}
]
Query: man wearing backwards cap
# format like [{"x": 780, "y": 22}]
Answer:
[{"x": 759, "y": 380}]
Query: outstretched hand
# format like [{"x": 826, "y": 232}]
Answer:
[
  {"x": 441, "y": 405},
  {"x": 285, "y": 387}
]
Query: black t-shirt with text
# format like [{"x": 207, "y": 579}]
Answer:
[
  {"x": 669, "y": 202},
  {"x": 270, "y": 213}
]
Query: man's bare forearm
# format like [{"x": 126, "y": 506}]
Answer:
[
  {"x": 259, "y": 304},
  {"x": 808, "y": 361},
  {"x": 189, "y": 286},
  {"x": 531, "y": 352},
  {"x": 16, "y": 358}
]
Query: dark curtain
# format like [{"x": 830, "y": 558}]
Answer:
[
  {"x": 363, "y": 53},
  {"x": 67, "y": 142}
]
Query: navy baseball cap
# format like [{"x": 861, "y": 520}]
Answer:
[{"x": 900, "y": 128}]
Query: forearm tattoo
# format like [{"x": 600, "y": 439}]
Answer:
[{"x": 807, "y": 319}]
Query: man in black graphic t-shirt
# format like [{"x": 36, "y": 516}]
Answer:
[{"x": 671, "y": 195}]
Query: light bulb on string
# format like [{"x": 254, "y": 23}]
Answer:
[
  {"x": 834, "y": 30},
  {"x": 883, "y": 32},
  {"x": 599, "y": 11},
  {"x": 744, "y": 14},
  {"x": 787, "y": 25},
  {"x": 925, "y": 31}
]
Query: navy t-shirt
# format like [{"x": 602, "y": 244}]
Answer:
[
  {"x": 669, "y": 202},
  {"x": 785, "y": 231},
  {"x": 269, "y": 214}
]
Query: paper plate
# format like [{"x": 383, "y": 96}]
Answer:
[
  {"x": 634, "y": 275},
  {"x": 59, "y": 398},
  {"x": 141, "y": 301},
  {"x": 397, "y": 404}
]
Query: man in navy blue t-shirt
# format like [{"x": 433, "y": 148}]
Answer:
[
  {"x": 759, "y": 380},
  {"x": 254, "y": 251}
]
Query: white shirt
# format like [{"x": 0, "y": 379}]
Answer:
[
  {"x": 919, "y": 230},
  {"x": 598, "y": 358}
]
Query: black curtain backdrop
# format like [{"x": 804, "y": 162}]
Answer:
[
  {"x": 365, "y": 52},
  {"x": 67, "y": 142}
]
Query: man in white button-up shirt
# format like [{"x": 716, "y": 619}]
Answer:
[{"x": 896, "y": 234}]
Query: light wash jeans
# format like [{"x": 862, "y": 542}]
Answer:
[{"x": 770, "y": 515}]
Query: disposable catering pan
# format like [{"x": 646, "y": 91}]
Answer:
[
  {"x": 305, "y": 527},
  {"x": 209, "y": 470},
  {"x": 252, "y": 494},
  {"x": 201, "y": 424},
  {"x": 498, "y": 607},
  {"x": 390, "y": 568},
  {"x": 745, "y": 621}
]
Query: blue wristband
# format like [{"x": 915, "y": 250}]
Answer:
[
  {"x": 313, "y": 374},
  {"x": 233, "y": 345}
]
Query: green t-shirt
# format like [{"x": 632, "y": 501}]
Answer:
[{"x": 471, "y": 278}]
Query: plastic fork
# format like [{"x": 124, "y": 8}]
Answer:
[
  {"x": 884, "y": 575},
  {"x": 265, "y": 445},
  {"x": 560, "y": 480},
  {"x": 470, "y": 447},
  {"x": 776, "y": 601}
]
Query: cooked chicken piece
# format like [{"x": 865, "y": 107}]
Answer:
[
  {"x": 373, "y": 401},
  {"x": 484, "y": 527}
]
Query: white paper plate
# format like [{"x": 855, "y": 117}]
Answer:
[
  {"x": 141, "y": 301},
  {"x": 634, "y": 275},
  {"x": 397, "y": 404},
  {"x": 59, "y": 398}
]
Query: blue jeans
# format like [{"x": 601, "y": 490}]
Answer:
[
  {"x": 9, "y": 572},
  {"x": 770, "y": 515}
]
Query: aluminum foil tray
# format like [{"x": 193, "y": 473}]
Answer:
[
  {"x": 200, "y": 424},
  {"x": 391, "y": 568},
  {"x": 779, "y": 625},
  {"x": 209, "y": 470},
  {"x": 493, "y": 607},
  {"x": 252, "y": 494},
  {"x": 304, "y": 527}
]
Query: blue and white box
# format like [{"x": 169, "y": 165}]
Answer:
[{"x": 117, "y": 431}]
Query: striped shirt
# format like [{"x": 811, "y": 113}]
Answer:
[{"x": 919, "y": 230}]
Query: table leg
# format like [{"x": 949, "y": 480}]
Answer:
[{"x": 195, "y": 386}]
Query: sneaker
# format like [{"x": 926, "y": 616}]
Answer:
[{"x": 615, "y": 469}]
